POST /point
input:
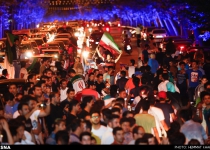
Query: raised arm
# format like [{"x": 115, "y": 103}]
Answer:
[
  {"x": 99, "y": 54},
  {"x": 116, "y": 60}
]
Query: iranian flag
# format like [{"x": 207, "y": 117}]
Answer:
[
  {"x": 8, "y": 60},
  {"x": 108, "y": 43}
]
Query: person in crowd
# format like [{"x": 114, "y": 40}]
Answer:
[
  {"x": 85, "y": 138},
  {"x": 198, "y": 131},
  {"x": 4, "y": 74},
  {"x": 23, "y": 71},
  {"x": 118, "y": 136},
  {"x": 77, "y": 82},
  {"x": 63, "y": 89},
  {"x": 59, "y": 125},
  {"x": 194, "y": 75},
  {"x": 97, "y": 128},
  {"x": 76, "y": 130},
  {"x": 148, "y": 123},
  {"x": 108, "y": 137},
  {"x": 62, "y": 138}
]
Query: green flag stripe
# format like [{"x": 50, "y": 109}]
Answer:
[
  {"x": 32, "y": 65},
  {"x": 111, "y": 38}
]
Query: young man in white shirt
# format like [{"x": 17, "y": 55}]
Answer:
[
  {"x": 63, "y": 90},
  {"x": 97, "y": 128},
  {"x": 113, "y": 121}
]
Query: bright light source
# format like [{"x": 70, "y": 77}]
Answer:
[
  {"x": 76, "y": 34},
  {"x": 181, "y": 47},
  {"x": 29, "y": 54},
  {"x": 118, "y": 25},
  {"x": 87, "y": 25},
  {"x": 37, "y": 25},
  {"x": 107, "y": 29},
  {"x": 85, "y": 54},
  {"x": 109, "y": 22},
  {"x": 56, "y": 56},
  {"x": 90, "y": 29},
  {"x": 79, "y": 51}
]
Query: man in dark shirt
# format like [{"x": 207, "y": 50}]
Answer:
[
  {"x": 145, "y": 54},
  {"x": 165, "y": 107},
  {"x": 159, "y": 56},
  {"x": 122, "y": 81},
  {"x": 99, "y": 84},
  {"x": 55, "y": 111},
  {"x": 167, "y": 59},
  {"x": 16, "y": 57},
  {"x": 74, "y": 109},
  {"x": 87, "y": 103},
  {"x": 70, "y": 96}
]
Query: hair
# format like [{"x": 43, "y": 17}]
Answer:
[
  {"x": 123, "y": 73},
  {"x": 85, "y": 100},
  {"x": 136, "y": 81},
  {"x": 4, "y": 72},
  {"x": 141, "y": 140},
  {"x": 120, "y": 100},
  {"x": 194, "y": 142},
  {"x": 106, "y": 112},
  {"x": 9, "y": 97},
  {"x": 186, "y": 114},
  {"x": 145, "y": 105},
  {"x": 58, "y": 121},
  {"x": 43, "y": 77},
  {"x": 122, "y": 120},
  {"x": 149, "y": 135},
  {"x": 30, "y": 76},
  {"x": 181, "y": 63},
  {"x": 75, "y": 124},
  {"x": 174, "y": 128},
  {"x": 112, "y": 117},
  {"x": 11, "y": 85},
  {"x": 84, "y": 134},
  {"x": 203, "y": 94},
  {"x": 28, "y": 98},
  {"x": 98, "y": 105},
  {"x": 132, "y": 121},
  {"x": 52, "y": 95},
  {"x": 88, "y": 124},
  {"x": 99, "y": 75},
  {"x": 72, "y": 104},
  {"x": 194, "y": 61},
  {"x": 119, "y": 105},
  {"x": 206, "y": 84},
  {"x": 115, "y": 109},
  {"x": 14, "y": 124},
  {"x": 204, "y": 77},
  {"x": 21, "y": 104},
  {"x": 136, "y": 129},
  {"x": 72, "y": 71},
  {"x": 125, "y": 113},
  {"x": 116, "y": 129},
  {"x": 94, "y": 112},
  {"x": 165, "y": 76},
  {"x": 70, "y": 90},
  {"x": 63, "y": 137},
  {"x": 177, "y": 138},
  {"x": 132, "y": 61},
  {"x": 63, "y": 80}
]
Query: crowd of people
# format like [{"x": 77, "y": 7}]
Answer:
[{"x": 159, "y": 99}]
